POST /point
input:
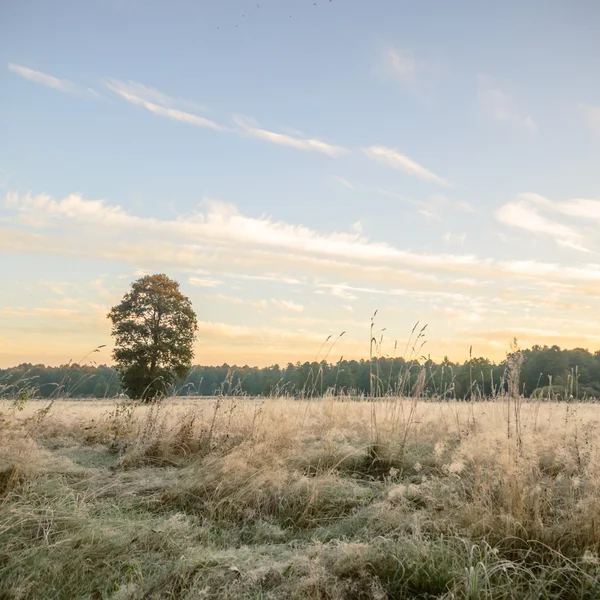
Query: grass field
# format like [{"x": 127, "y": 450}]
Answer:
[{"x": 327, "y": 499}]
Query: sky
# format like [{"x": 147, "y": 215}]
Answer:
[{"x": 296, "y": 166}]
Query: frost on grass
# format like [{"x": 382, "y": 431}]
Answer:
[{"x": 280, "y": 499}]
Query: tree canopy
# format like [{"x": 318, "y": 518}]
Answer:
[{"x": 154, "y": 328}]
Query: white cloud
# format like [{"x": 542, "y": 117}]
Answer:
[
  {"x": 270, "y": 277},
  {"x": 250, "y": 129},
  {"x": 591, "y": 112},
  {"x": 345, "y": 183},
  {"x": 222, "y": 238},
  {"x": 63, "y": 85},
  {"x": 342, "y": 290},
  {"x": 573, "y": 246},
  {"x": 125, "y": 90},
  {"x": 287, "y": 305},
  {"x": 525, "y": 216},
  {"x": 580, "y": 207},
  {"x": 417, "y": 76},
  {"x": 401, "y": 64},
  {"x": 204, "y": 282},
  {"x": 149, "y": 94},
  {"x": 255, "y": 335},
  {"x": 583, "y": 208},
  {"x": 501, "y": 105},
  {"x": 455, "y": 238},
  {"x": 224, "y": 298},
  {"x": 392, "y": 158},
  {"x": 161, "y": 104},
  {"x": 4, "y": 177},
  {"x": 466, "y": 207},
  {"x": 219, "y": 223},
  {"x": 260, "y": 305},
  {"x": 433, "y": 206},
  {"x": 9, "y": 311}
]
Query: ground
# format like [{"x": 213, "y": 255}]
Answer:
[{"x": 325, "y": 499}]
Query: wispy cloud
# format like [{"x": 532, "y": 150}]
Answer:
[
  {"x": 401, "y": 64},
  {"x": 4, "y": 177},
  {"x": 416, "y": 75},
  {"x": 342, "y": 265},
  {"x": 344, "y": 182},
  {"x": 248, "y": 128},
  {"x": 433, "y": 207},
  {"x": 143, "y": 96},
  {"x": 466, "y": 207},
  {"x": 591, "y": 113},
  {"x": 526, "y": 213},
  {"x": 269, "y": 277},
  {"x": 204, "y": 282},
  {"x": 220, "y": 223},
  {"x": 62, "y": 85},
  {"x": 225, "y": 298},
  {"x": 161, "y": 104},
  {"x": 392, "y": 158},
  {"x": 501, "y": 105},
  {"x": 288, "y": 305},
  {"x": 455, "y": 238},
  {"x": 525, "y": 216},
  {"x": 150, "y": 94}
]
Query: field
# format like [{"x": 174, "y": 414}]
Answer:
[{"x": 324, "y": 499}]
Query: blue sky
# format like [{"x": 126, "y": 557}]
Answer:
[{"x": 297, "y": 165}]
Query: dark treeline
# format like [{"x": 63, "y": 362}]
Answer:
[{"x": 544, "y": 371}]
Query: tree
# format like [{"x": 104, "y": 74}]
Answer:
[{"x": 154, "y": 328}]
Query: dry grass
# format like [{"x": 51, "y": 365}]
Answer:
[{"x": 328, "y": 499}]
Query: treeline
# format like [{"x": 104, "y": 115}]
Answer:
[
  {"x": 545, "y": 371},
  {"x": 73, "y": 380}
]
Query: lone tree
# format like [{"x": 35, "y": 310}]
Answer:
[{"x": 154, "y": 327}]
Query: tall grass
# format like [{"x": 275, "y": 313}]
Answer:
[{"x": 325, "y": 497}]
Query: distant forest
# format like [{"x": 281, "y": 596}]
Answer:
[{"x": 544, "y": 371}]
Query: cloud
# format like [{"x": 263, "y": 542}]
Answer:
[
  {"x": 219, "y": 237},
  {"x": 256, "y": 336},
  {"x": 525, "y": 213},
  {"x": 396, "y": 160},
  {"x": 342, "y": 291},
  {"x": 455, "y": 238},
  {"x": 525, "y": 216},
  {"x": 287, "y": 305},
  {"x": 580, "y": 207},
  {"x": 434, "y": 206},
  {"x": 501, "y": 105},
  {"x": 8, "y": 311},
  {"x": 591, "y": 113},
  {"x": 149, "y": 94},
  {"x": 345, "y": 183},
  {"x": 148, "y": 97},
  {"x": 450, "y": 290},
  {"x": 220, "y": 223},
  {"x": 401, "y": 64},
  {"x": 224, "y": 298},
  {"x": 270, "y": 277},
  {"x": 249, "y": 129},
  {"x": 417, "y": 76},
  {"x": 466, "y": 207},
  {"x": 161, "y": 104},
  {"x": 5, "y": 177},
  {"x": 204, "y": 282},
  {"x": 62, "y": 85}
]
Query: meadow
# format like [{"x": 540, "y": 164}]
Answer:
[{"x": 329, "y": 498}]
